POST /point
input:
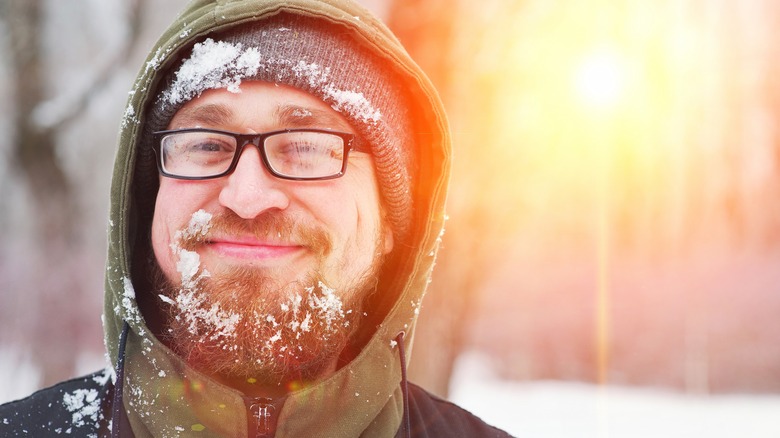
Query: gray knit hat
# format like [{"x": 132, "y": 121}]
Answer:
[{"x": 315, "y": 56}]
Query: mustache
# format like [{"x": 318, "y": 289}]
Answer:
[{"x": 270, "y": 225}]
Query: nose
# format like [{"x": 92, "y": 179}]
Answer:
[{"x": 250, "y": 190}]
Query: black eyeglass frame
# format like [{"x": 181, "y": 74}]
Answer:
[{"x": 257, "y": 140}]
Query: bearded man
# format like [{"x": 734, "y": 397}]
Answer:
[{"x": 277, "y": 203}]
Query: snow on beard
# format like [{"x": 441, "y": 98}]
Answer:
[{"x": 242, "y": 323}]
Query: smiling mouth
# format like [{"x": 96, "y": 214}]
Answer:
[{"x": 251, "y": 249}]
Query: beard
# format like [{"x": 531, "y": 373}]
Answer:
[{"x": 243, "y": 323}]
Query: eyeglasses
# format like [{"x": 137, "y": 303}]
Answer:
[{"x": 294, "y": 154}]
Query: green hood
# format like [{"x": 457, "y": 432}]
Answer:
[{"x": 163, "y": 396}]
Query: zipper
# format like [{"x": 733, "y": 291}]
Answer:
[{"x": 262, "y": 417}]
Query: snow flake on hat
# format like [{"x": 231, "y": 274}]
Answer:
[
  {"x": 213, "y": 65},
  {"x": 344, "y": 101}
]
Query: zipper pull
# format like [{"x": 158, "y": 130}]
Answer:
[{"x": 262, "y": 411}]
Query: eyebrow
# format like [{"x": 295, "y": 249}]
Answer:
[
  {"x": 210, "y": 114},
  {"x": 296, "y": 116},
  {"x": 285, "y": 116}
]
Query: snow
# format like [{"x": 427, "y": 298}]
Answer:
[
  {"x": 213, "y": 65},
  {"x": 561, "y": 409},
  {"x": 200, "y": 223},
  {"x": 223, "y": 65},
  {"x": 329, "y": 306},
  {"x": 19, "y": 375},
  {"x": 166, "y": 300},
  {"x": 345, "y": 101},
  {"x": 188, "y": 265},
  {"x": 188, "y": 262},
  {"x": 353, "y": 103},
  {"x": 127, "y": 118},
  {"x": 108, "y": 373},
  {"x": 132, "y": 314},
  {"x": 83, "y": 404},
  {"x": 214, "y": 320}
]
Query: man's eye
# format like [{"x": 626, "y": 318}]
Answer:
[
  {"x": 207, "y": 146},
  {"x": 306, "y": 148},
  {"x": 297, "y": 147}
]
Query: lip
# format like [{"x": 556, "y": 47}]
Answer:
[{"x": 252, "y": 249}]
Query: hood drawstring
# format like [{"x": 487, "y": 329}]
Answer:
[
  {"x": 406, "y": 424},
  {"x": 117, "y": 405}
]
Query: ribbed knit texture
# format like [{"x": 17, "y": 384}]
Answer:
[{"x": 314, "y": 56}]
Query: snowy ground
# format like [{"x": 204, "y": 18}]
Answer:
[
  {"x": 555, "y": 409},
  {"x": 18, "y": 375}
]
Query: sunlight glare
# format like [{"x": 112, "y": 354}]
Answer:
[{"x": 600, "y": 78}]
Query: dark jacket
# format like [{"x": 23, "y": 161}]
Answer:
[{"x": 156, "y": 393}]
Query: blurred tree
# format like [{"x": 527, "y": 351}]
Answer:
[
  {"x": 47, "y": 309},
  {"x": 34, "y": 159}
]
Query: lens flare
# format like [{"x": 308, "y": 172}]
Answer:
[{"x": 599, "y": 79}]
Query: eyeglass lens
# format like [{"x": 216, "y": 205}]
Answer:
[{"x": 300, "y": 154}]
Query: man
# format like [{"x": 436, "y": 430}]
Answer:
[{"x": 277, "y": 203}]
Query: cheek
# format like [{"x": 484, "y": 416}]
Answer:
[
  {"x": 176, "y": 201},
  {"x": 162, "y": 235},
  {"x": 361, "y": 209}
]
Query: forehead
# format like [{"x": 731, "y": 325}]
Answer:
[{"x": 258, "y": 106}]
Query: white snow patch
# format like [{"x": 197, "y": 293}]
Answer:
[
  {"x": 132, "y": 314},
  {"x": 301, "y": 112},
  {"x": 200, "y": 223},
  {"x": 213, "y": 65},
  {"x": 128, "y": 117},
  {"x": 166, "y": 300},
  {"x": 129, "y": 290},
  {"x": 102, "y": 379},
  {"x": 223, "y": 65},
  {"x": 328, "y": 306},
  {"x": 353, "y": 103},
  {"x": 19, "y": 374},
  {"x": 345, "y": 101},
  {"x": 83, "y": 404},
  {"x": 537, "y": 408},
  {"x": 188, "y": 266},
  {"x": 219, "y": 323},
  {"x": 306, "y": 324},
  {"x": 188, "y": 262},
  {"x": 157, "y": 59}
]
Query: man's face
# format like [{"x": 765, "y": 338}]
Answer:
[{"x": 251, "y": 259}]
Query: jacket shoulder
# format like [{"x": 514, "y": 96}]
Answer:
[
  {"x": 75, "y": 407},
  {"x": 431, "y": 416}
]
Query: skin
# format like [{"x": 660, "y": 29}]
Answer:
[{"x": 348, "y": 209}]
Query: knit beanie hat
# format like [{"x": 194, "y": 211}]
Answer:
[{"x": 315, "y": 56}]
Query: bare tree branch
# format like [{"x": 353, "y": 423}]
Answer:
[{"x": 53, "y": 246}]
